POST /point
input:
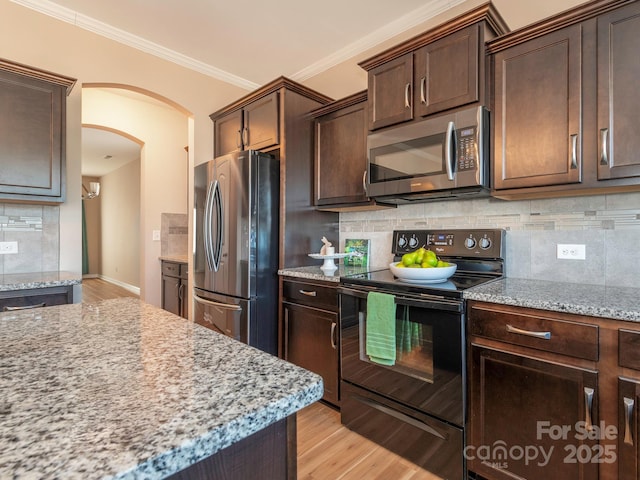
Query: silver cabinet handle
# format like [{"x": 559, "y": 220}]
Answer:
[
  {"x": 628, "y": 404},
  {"x": 333, "y": 335},
  {"x": 588, "y": 407},
  {"x": 574, "y": 151},
  {"x": 423, "y": 90},
  {"x": 604, "y": 148},
  {"x": 286, "y": 333},
  {"x": 309, "y": 293},
  {"x": 543, "y": 335},
  {"x": 226, "y": 306},
  {"x": 24, "y": 307},
  {"x": 407, "y": 95},
  {"x": 450, "y": 149},
  {"x": 245, "y": 136}
]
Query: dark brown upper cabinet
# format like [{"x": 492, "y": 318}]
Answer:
[
  {"x": 340, "y": 152},
  {"x": 565, "y": 103},
  {"x": 254, "y": 127},
  {"x": 618, "y": 98},
  {"x": 32, "y": 134},
  {"x": 439, "y": 70},
  {"x": 537, "y": 113}
]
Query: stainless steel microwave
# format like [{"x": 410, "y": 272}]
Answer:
[{"x": 437, "y": 158}]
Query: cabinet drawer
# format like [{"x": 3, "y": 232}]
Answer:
[
  {"x": 629, "y": 349},
  {"x": 172, "y": 269},
  {"x": 311, "y": 294},
  {"x": 552, "y": 335},
  {"x": 40, "y": 297}
]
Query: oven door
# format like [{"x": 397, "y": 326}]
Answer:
[{"x": 428, "y": 370}]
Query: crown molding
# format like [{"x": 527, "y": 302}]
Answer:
[
  {"x": 390, "y": 30},
  {"x": 410, "y": 20},
  {"x": 100, "y": 28}
]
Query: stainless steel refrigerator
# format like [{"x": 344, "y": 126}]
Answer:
[{"x": 236, "y": 247}]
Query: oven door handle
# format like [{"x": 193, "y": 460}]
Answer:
[{"x": 434, "y": 304}]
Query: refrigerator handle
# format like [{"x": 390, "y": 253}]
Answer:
[
  {"x": 216, "y": 248},
  {"x": 226, "y": 306},
  {"x": 206, "y": 227}
]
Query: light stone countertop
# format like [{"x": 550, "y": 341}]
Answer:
[
  {"x": 120, "y": 389},
  {"x": 175, "y": 258},
  {"x": 25, "y": 281},
  {"x": 620, "y": 303},
  {"x": 316, "y": 273}
]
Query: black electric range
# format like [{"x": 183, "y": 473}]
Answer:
[{"x": 478, "y": 254}]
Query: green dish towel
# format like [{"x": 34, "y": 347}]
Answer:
[{"x": 381, "y": 328}]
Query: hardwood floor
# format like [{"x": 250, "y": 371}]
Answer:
[
  {"x": 96, "y": 289},
  {"x": 329, "y": 451},
  {"x": 326, "y": 449}
]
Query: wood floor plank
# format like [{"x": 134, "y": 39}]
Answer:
[
  {"x": 327, "y": 450},
  {"x": 96, "y": 289}
]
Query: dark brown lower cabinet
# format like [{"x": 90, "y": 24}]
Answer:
[
  {"x": 174, "y": 288},
  {"x": 267, "y": 454},
  {"x": 628, "y": 428},
  {"x": 36, "y": 297},
  {"x": 311, "y": 343},
  {"x": 529, "y": 417}
]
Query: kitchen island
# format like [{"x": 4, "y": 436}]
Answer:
[{"x": 121, "y": 389}]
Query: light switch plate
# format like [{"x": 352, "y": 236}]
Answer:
[{"x": 156, "y": 235}]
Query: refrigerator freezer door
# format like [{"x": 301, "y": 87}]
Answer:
[{"x": 229, "y": 316}]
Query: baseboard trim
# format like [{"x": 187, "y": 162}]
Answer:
[
  {"x": 126, "y": 286},
  {"x": 90, "y": 275}
]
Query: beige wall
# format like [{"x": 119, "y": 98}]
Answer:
[
  {"x": 163, "y": 175},
  {"x": 94, "y": 231},
  {"x": 120, "y": 239}
]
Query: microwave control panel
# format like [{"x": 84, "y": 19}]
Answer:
[{"x": 467, "y": 149}]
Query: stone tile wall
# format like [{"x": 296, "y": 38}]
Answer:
[
  {"x": 174, "y": 234},
  {"x": 36, "y": 229},
  {"x": 609, "y": 226}
]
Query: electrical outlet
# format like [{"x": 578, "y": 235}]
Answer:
[
  {"x": 571, "y": 251},
  {"x": 8, "y": 247}
]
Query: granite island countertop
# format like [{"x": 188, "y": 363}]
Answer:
[
  {"x": 120, "y": 389},
  {"x": 26, "y": 281},
  {"x": 620, "y": 303}
]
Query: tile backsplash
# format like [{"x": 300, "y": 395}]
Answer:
[
  {"x": 608, "y": 225},
  {"x": 36, "y": 229},
  {"x": 174, "y": 234}
]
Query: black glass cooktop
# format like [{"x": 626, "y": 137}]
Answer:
[{"x": 385, "y": 280}]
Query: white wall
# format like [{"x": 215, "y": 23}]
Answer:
[{"x": 120, "y": 233}]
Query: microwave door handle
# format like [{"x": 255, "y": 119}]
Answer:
[{"x": 450, "y": 150}]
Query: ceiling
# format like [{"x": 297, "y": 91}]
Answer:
[{"x": 104, "y": 151}]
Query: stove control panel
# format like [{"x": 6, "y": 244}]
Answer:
[{"x": 476, "y": 243}]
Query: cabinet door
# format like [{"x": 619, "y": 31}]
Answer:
[
  {"x": 184, "y": 298},
  {"x": 390, "y": 92},
  {"x": 311, "y": 342},
  {"x": 228, "y": 133},
  {"x": 538, "y": 133},
  {"x": 341, "y": 156},
  {"x": 628, "y": 429},
  {"x": 447, "y": 72},
  {"x": 171, "y": 294},
  {"x": 32, "y": 139},
  {"x": 518, "y": 402},
  {"x": 618, "y": 99},
  {"x": 261, "y": 129}
]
